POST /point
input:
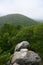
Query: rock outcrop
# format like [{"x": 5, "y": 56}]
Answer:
[
  {"x": 24, "y": 56},
  {"x": 23, "y": 44}
]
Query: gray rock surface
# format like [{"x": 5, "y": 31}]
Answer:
[
  {"x": 23, "y": 44},
  {"x": 24, "y": 56}
]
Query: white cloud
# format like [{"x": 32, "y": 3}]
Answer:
[{"x": 30, "y": 8}]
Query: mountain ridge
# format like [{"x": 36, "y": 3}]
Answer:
[{"x": 17, "y": 19}]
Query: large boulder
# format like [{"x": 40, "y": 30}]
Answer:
[
  {"x": 23, "y": 44},
  {"x": 25, "y": 57}
]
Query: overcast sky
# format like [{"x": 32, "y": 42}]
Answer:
[{"x": 30, "y": 8}]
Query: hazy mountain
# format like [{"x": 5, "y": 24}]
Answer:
[{"x": 17, "y": 19}]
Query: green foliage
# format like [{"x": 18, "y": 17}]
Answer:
[
  {"x": 6, "y": 33},
  {"x": 4, "y": 58},
  {"x": 10, "y": 35}
]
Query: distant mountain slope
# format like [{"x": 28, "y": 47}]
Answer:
[{"x": 17, "y": 19}]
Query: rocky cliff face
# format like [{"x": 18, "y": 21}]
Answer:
[{"x": 23, "y": 56}]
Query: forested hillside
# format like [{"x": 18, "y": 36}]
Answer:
[
  {"x": 11, "y": 34},
  {"x": 17, "y": 19}
]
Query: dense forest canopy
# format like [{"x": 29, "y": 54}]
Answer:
[{"x": 10, "y": 35}]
